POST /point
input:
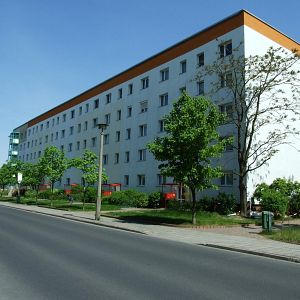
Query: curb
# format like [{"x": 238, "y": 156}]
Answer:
[
  {"x": 78, "y": 219},
  {"x": 274, "y": 256}
]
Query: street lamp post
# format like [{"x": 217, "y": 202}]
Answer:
[{"x": 102, "y": 127}]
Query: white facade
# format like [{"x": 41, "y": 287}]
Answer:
[{"x": 140, "y": 112}]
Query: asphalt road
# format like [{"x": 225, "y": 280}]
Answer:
[{"x": 43, "y": 257}]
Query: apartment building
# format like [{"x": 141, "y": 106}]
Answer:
[{"x": 134, "y": 102}]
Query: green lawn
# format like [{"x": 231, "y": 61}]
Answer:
[
  {"x": 62, "y": 204},
  {"x": 179, "y": 218},
  {"x": 288, "y": 235}
]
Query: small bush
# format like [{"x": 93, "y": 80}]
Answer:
[
  {"x": 45, "y": 194},
  {"x": 207, "y": 204},
  {"x": 30, "y": 194},
  {"x": 294, "y": 204},
  {"x": 154, "y": 199},
  {"x": 76, "y": 189},
  {"x": 225, "y": 204},
  {"x": 130, "y": 198},
  {"x": 91, "y": 194}
]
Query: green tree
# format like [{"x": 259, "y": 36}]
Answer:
[
  {"x": 87, "y": 164},
  {"x": 190, "y": 143},
  {"x": 264, "y": 90},
  {"x": 33, "y": 175},
  {"x": 5, "y": 177},
  {"x": 53, "y": 164}
]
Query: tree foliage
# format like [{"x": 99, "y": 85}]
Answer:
[
  {"x": 264, "y": 90},
  {"x": 53, "y": 163},
  {"x": 190, "y": 143}
]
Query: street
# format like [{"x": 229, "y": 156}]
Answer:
[{"x": 43, "y": 257}]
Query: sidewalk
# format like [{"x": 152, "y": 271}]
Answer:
[{"x": 257, "y": 246}]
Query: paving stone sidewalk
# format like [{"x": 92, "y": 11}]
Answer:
[{"x": 258, "y": 246}]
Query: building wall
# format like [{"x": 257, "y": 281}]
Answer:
[
  {"x": 36, "y": 142},
  {"x": 284, "y": 163}
]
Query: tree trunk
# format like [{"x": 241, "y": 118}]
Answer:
[
  {"x": 194, "y": 221},
  {"x": 243, "y": 196},
  {"x": 36, "y": 194},
  {"x": 52, "y": 188},
  {"x": 83, "y": 200}
]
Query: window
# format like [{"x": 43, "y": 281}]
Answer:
[
  {"x": 51, "y": 137},
  {"x": 70, "y": 147},
  {"x": 62, "y": 148},
  {"x": 145, "y": 83},
  {"x": 226, "y": 80},
  {"x": 57, "y": 120},
  {"x": 161, "y": 179},
  {"x": 80, "y": 111},
  {"x": 46, "y": 139},
  {"x": 117, "y": 156},
  {"x": 84, "y": 144},
  {"x": 200, "y": 59},
  {"x": 127, "y": 156},
  {"x": 79, "y": 128},
  {"x": 182, "y": 90},
  {"x": 93, "y": 141},
  {"x": 183, "y": 66},
  {"x": 141, "y": 179},
  {"x": 129, "y": 111},
  {"x": 118, "y": 135},
  {"x": 62, "y": 134},
  {"x": 87, "y": 106},
  {"x": 120, "y": 93},
  {"x": 41, "y": 127},
  {"x": 39, "y": 153},
  {"x": 229, "y": 147},
  {"x": 78, "y": 145},
  {"x": 106, "y": 138},
  {"x": 227, "y": 109},
  {"x": 71, "y": 130},
  {"x": 95, "y": 122},
  {"x": 161, "y": 125},
  {"x": 108, "y": 98},
  {"x": 72, "y": 114},
  {"x": 85, "y": 125},
  {"x": 142, "y": 154},
  {"x": 56, "y": 135},
  {"x": 47, "y": 124},
  {"x": 64, "y": 117},
  {"x": 227, "y": 178},
  {"x": 126, "y": 180},
  {"x": 40, "y": 141},
  {"x": 200, "y": 88},
  {"x": 29, "y": 131},
  {"x": 164, "y": 74},
  {"x": 225, "y": 49},
  {"x": 68, "y": 181},
  {"x": 130, "y": 89},
  {"x": 119, "y": 114},
  {"x": 105, "y": 159},
  {"x": 143, "y": 106},
  {"x": 163, "y": 99},
  {"x": 128, "y": 133},
  {"x": 143, "y": 130},
  {"x": 107, "y": 118},
  {"x": 96, "y": 103}
]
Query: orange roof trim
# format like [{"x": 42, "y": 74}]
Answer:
[{"x": 241, "y": 18}]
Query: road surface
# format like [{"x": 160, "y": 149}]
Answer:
[{"x": 43, "y": 257}]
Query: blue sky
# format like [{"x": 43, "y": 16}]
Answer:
[{"x": 52, "y": 50}]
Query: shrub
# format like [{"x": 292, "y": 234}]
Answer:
[
  {"x": 76, "y": 189},
  {"x": 30, "y": 194},
  {"x": 207, "y": 204},
  {"x": 45, "y": 194},
  {"x": 294, "y": 204},
  {"x": 131, "y": 198},
  {"x": 225, "y": 204},
  {"x": 274, "y": 201},
  {"x": 154, "y": 199},
  {"x": 91, "y": 194}
]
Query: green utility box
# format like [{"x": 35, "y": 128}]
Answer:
[{"x": 267, "y": 220}]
